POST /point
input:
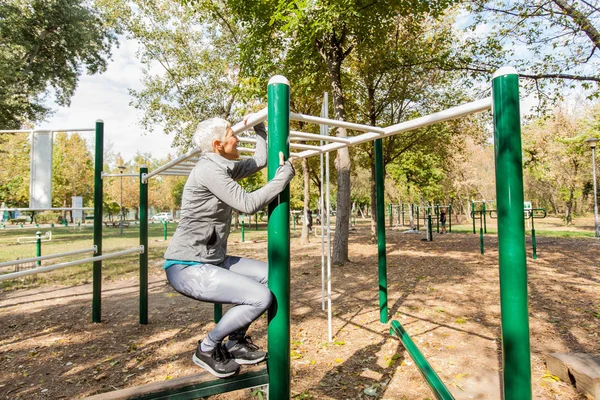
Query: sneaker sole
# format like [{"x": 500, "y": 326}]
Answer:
[
  {"x": 202, "y": 364},
  {"x": 243, "y": 361}
]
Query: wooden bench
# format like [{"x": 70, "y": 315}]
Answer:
[
  {"x": 110, "y": 224},
  {"x": 189, "y": 387}
]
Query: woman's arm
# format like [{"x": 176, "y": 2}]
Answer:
[
  {"x": 249, "y": 166},
  {"x": 231, "y": 193}
]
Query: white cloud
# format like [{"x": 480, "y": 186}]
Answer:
[{"x": 106, "y": 97}]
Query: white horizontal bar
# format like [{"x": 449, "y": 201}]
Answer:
[
  {"x": 47, "y": 209},
  {"x": 175, "y": 173},
  {"x": 445, "y": 115},
  {"x": 246, "y": 149},
  {"x": 16, "y": 131},
  {"x": 13, "y": 275},
  {"x": 69, "y": 130},
  {"x": 252, "y": 120},
  {"x": 295, "y": 135},
  {"x": 451, "y": 113},
  {"x": 48, "y": 257},
  {"x": 335, "y": 122},
  {"x": 176, "y": 161},
  {"x": 116, "y": 175},
  {"x": 47, "y": 130}
]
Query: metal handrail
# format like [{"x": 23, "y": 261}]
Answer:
[
  {"x": 13, "y": 275},
  {"x": 48, "y": 257}
]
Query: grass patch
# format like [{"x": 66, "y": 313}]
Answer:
[{"x": 66, "y": 239}]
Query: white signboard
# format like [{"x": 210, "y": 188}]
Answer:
[
  {"x": 77, "y": 202},
  {"x": 40, "y": 186},
  {"x": 527, "y": 205}
]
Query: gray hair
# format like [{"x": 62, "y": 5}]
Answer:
[{"x": 208, "y": 131}]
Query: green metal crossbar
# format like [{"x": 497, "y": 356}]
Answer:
[
  {"x": 189, "y": 387},
  {"x": 434, "y": 381},
  {"x": 247, "y": 380}
]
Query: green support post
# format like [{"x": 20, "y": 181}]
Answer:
[
  {"x": 256, "y": 222},
  {"x": 218, "y": 312},
  {"x": 98, "y": 194},
  {"x": 279, "y": 243},
  {"x": 473, "y": 214},
  {"x": 391, "y": 213},
  {"x": 437, "y": 217},
  {"x": 434, "y": 381},
  {"x": 144, "y": 242},
  {"x": 533, "y": 241},
  {"x": 511, "y": 235},
  {"x": 481, "y": 244},
  {"x": 165, "y": 230},
  {"x": 242, "y": 231},
  {"x": 418, "y": 217},
  {"x": 38, "y": 247},
  {"x": 483, "y": 216},
  {"x": 294, "y": 218},
  {"x": 381, "y": 256},
  {"x": 450, "y": 218}
]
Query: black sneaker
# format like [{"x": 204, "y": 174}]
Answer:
[
  {"x": 245, "y": 352},
  {"x": 218, "y": 361}
]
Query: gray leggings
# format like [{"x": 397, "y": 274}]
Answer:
[{"x": 237, "y": 280}]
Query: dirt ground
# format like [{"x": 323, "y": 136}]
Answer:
[{"x": 444, "y": 293}]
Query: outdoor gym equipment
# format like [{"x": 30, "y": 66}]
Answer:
[
  {"x": 434, "y": 381},
  {"x": 509, "y": 187},
  {"x": 38, "y": 242},
  {"x": 532, "y": 214}
]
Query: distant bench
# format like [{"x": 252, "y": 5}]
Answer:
[
  {"x": 19, "y": 220},
  {"x": 193, "y": 386},
  {"x": 110, "y": 224}
]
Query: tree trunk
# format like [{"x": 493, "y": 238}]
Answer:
[
  {"x": 236, "y": 219},
  {"x": 333, "y": 54},
  {"x": 569, "y": 208},
  {"x": 373, "y": 201},
  {"x": 305, "y": 238}
]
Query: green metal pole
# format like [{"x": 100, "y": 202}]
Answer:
[
  {"x": 391, "y": 211},
  {"x": 434, "y": 381},
  {"x": 533, "y": 241},
  {"x": 294, "y": 222},
  {"x": 450, "y": 218},
  {"x": 418, "y": 216},
  {"x": 165, "y": 230},
  {"x": 473, "y": 214},
  {"x": 97, "y": 269},
  {"x": 437, "y": 217},
  {"x": 381, "y": 256},
  {"x": 218, "y": 312},
  {"x": 481, "y": 244},
  {"x": 256, "y": 221},
  {"x": 38, "y": 247},
  {"x": 144, "y": 242},
  {"x": 242, "y": 231},
  {"x": 483, "y": 216},
  {"x": 511, "y": 235},
  {"x": 279, "y": 243}
]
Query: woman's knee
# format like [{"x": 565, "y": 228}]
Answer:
[{"x": 263, "y": 299}]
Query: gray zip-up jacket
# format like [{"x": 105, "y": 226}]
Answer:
[{"x": 210, "y": 194}]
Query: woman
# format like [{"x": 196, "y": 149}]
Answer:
[{"x": 197, "y": 264}]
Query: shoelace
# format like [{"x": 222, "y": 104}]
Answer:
[
  {"x": 247, "y": 341},
  {"x": 221, "y": 354}
]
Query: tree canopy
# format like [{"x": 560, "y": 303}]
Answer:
[{"x": 47, "y": 45}]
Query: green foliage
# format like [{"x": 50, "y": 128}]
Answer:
[
  {"x": 47, "y": 44},
  {"x": 554, "y": 43},
  {"x": 14, "y": 174},
  {"x": 72, "y": 170}
]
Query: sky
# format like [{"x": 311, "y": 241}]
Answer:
[{"x": 105, "y": 96}]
